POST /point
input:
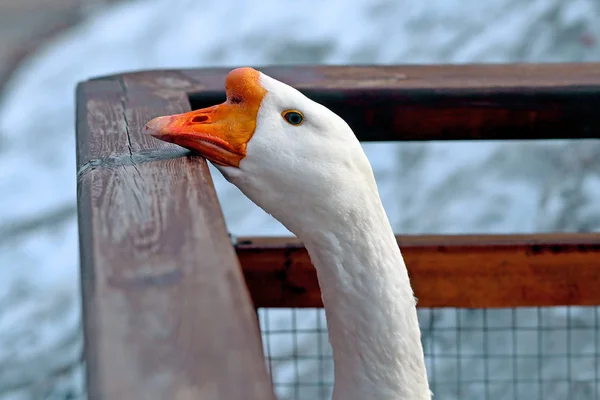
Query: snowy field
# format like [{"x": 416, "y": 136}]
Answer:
[{"x": 514, "y": 187}]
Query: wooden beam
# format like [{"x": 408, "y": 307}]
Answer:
[
  {"x": 483, "y": 271},
  {"x": 444, "y": 102},
  {"x": 166, "y": 312}
]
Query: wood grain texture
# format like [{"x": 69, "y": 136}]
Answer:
[
  {"x": 166, "y": 312},
  {"x": 417, "y": 77},
  {"x": 482, "y": 271}
]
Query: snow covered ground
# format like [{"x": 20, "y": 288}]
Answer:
[{"x": 426, "y": 187}]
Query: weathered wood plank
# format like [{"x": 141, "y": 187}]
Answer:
[
  {"x": 417, "y": 77},
  {"x": 482, "y": 271},
  {"x": 453, "y": 102},
  {"x": 100, "y": 105},
  {"x": 166, "y": 312}
]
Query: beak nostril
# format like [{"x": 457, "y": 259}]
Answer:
[{"x": 200, "y": 118}]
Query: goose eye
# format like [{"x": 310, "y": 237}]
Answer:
[{"x": 293, "y": 117}]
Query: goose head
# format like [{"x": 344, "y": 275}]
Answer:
[{"x": 291, "y": 156}]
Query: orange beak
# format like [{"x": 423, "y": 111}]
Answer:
[{"x": 220, "y": 133}]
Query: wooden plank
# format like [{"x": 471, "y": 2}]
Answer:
[
  {"x": 418, "y": 77},
  {"x": 118, "y": 116},
  {"x": 483, "y": 271},
  {"x": 166, "y": 312},
  {"x": 453, "y": 102},
  {"x": 100, "y": 106}
]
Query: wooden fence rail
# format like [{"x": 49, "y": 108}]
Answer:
[
  {"x": 482, "y": 271},
  {"x": 166, "y": 312}
]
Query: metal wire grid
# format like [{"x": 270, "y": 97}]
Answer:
[{"x": 495, "y": 354}]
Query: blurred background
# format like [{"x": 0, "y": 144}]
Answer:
[{"x": 47, "y": 46}]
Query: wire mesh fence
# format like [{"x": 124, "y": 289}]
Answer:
[{"x": 493, "y": 354}]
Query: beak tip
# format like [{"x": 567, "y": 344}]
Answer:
[
  {"x": 157, "y": 126},
  {"x": 150, "y": 131}
]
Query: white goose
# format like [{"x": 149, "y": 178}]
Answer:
[{"x": 302, "y": 163}]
